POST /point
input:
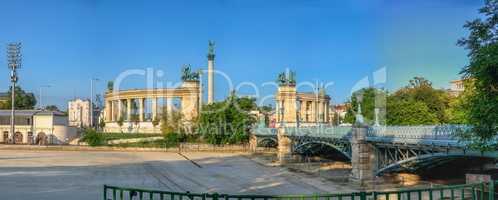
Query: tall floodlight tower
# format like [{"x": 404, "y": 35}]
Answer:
[
  {"x": 14, "y": 62},
  {"x": 210, "y": 72}
]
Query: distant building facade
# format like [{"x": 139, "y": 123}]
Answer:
[
  {"x": 341, "y": 109},
  {"x": 456, "y": 87},
  {"x": 303, "y": 109},
  {"x": 78, "y": 111},
  {"x": 36, "y": 127}
]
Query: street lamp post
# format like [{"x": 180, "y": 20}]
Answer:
[
  {"x": 40, "y": 94},
  {"x": 14, "y": 62},
  {"x": 91, "y": 100},
  {"x": 298, "y": 112}
]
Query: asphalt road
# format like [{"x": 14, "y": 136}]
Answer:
[{"x": 80, "y": 175}]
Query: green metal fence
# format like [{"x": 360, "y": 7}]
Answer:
[{"x": 480, "y": 191}]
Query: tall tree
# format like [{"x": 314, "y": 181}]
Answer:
[
  {"x": 409, "y": 112},
  {"x": 52, "y": 108},
  {"x": 483, "y": 69},
  {"x": 23, "y": 100},
  {"x": 228, "y": 121},
  {"x": 421, "y": 90},
  {"x": 372, "y": 98},
  {"x": 459, "y": 106}
]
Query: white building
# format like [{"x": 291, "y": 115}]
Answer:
[
  {"x": 78, "y": 111},
  {"x": 36, "y": 127},
  {"x": 456, "y": 87}
]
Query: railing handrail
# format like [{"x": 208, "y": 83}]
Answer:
[{"x": 490, "y": 187}]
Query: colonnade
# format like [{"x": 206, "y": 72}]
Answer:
[
  {"x": 294, "y": 108},
  {"x": 118, "y": 104}
]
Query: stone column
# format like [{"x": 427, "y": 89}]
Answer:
[
  {"x": 169, "y": 106},
  {"x": 285, "y": 147},
  {"x": 277, "y": 110},
  {"x": 154, "y": 108},
  {"x": 25, "y": 138},
  {"x": 210, "y": 74},
  {"x": 364, "y": 157},
  {"x": 108, "y": 109},
  {"x": 325, "y": 112},
  {"x": 120, "y": 109},
  {"x": 141, "y": 109},
  {"x": 128, "y": 109},
  {"x": 313, "y": 112}
]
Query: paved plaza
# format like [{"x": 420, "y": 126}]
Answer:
[{"x": 27, "y": 174}]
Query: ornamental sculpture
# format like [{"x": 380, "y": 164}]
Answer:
[
  {"x": 188, "y": 75},
  {"x": 287, "y": 79}
]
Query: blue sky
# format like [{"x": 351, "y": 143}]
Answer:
[{"x": 66, "y": 43}]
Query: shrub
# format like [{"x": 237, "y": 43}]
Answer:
[{"x": 93, "y": 138}]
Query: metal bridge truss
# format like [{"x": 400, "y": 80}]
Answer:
[
  {"x": 396, "y": 157},
  {"x": 267, "y": 141},
  {"x": 307, "y": 144}
]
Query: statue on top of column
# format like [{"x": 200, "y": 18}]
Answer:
[
  {"x": 287, "y": 78},
  {"x": 188, "y": 75},
  {"x": 211, "y": 49}
]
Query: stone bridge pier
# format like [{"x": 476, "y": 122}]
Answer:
[
  {"x": 285, "y": 147},
  {"x": 363, "y": 157}
]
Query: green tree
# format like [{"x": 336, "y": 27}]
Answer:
[
  {"x": 52, "y": 108},
  {"x": 483, "y": 69},
  {"x": 23, "y": 100},
  {"x": 421, "y": 90},
  {"x": 228, "y": 121},
  {"x": 371, "y": 98},
  {"x": 458, "y": 110},
  {"x": 172, "y": 122},
  {"x": 409, "y": 112}
]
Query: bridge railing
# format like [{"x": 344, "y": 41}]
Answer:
[
  {"x": 261, "y": 131},
  {"x": 478, "y": 191},
  {"x": 320, "y": 131},
  {"x": 442, "y": 132}
]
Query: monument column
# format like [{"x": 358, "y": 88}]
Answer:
[
  {"x": 210, "y": 72},
  {"x": 141, "y": 109}
]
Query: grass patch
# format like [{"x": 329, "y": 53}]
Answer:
[
  {"x": 118, "y": 136},
  {"x": 149, "y": 144},
  {"x": 94, "y": 138}
]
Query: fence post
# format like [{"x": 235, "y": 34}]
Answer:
[
  {"x": 363, "y": 196},
  {"x": 105, "y": 192},
  {"x": 491, "y": 190}
]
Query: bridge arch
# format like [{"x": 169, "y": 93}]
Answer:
[
  {"x": 267, "y": 142},
  {"x": 430, "y": 159},
  {"x": 343, "y": 149}
]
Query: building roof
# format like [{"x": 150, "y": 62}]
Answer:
[{"x": 31, "y": 112}]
